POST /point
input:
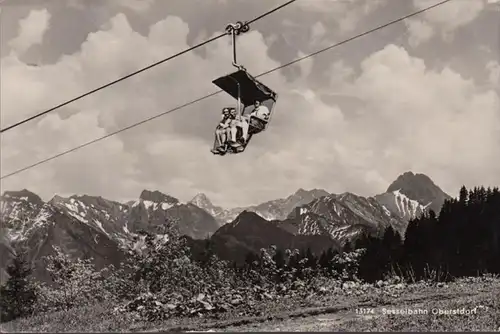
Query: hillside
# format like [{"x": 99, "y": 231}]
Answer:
[{"x": 249, "y": 232}]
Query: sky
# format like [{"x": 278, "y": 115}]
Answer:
[{"x": 420, "y": 95}]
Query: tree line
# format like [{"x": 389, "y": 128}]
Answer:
[{"x": 462, "y": 240}]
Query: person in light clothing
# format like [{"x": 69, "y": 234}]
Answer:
[
  {"x": 260, "y": 111},
  {"x": 222, "y": 129}
]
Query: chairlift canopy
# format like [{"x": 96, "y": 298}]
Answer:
[{"x": 250, "y": 89}]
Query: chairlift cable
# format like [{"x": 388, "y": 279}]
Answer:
[
  {"x": 353, "y": 38},
  {"x": 109, "y": 84},
  {"x": 269, "y": 12},
  {"x": 136, "y": 72},
  {"x": 216, "y": 92}
]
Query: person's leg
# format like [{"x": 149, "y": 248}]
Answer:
[
  {"x": 233, "y": 131},
  {"x": 220, "y": 139},
  {"x": 244, "y": 124},
  {"x": 223, "y": 137},
  {"x": 216, "y": 142},
  {"x": 227, "y": 135},
  {"x": 217, "y": 139}
]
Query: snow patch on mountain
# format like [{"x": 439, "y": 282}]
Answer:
[
  {"x": 20, "y": 212},
  {"x": 420, "y": 188},
  {"x": 402, "y": 206},
  {"x": 154, "y": 201},
  {"x": 103, "y": 216},
  {"x": 342, "y": 217}
]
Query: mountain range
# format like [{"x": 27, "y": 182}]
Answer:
[{"x": 89, "y": 226}]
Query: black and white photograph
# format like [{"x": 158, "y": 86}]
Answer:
[{"x": 249, "y": 165}]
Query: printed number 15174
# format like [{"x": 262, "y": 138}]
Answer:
[{"x": 362, "y": 310}]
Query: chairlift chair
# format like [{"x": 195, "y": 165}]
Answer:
[{"x": 246, "y": 89}]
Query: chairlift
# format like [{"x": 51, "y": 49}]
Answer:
[{"x": 248, "y": 93}]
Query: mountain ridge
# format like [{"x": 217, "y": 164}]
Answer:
[
  {"x": 270, "y": 210},
  {"x": 85, "y": 224}
]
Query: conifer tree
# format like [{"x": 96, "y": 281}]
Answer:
[
  {"x": 463, "y": 196},
  {"x": 17, "y": 295}
]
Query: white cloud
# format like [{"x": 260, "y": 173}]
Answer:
[
  {"x": 136, "y": 5},
  {"x": 453, "y": 14},
  {"x": 76, "y": 4},
  {"x": 414, "y": 118},
  {"x": 306, "y": 65},
  {"x": 318, "y": 31},
  {"x": 419, "y": 30},
  {"x": 348, "y": 13},
  {"x": 31, "y": 30},
  {"x": 439, "y": 122},
  {"x": 28, "y": 90},
  {"x": 446, "y": 18},
  {"x": 339, "y": 74},
  {"x": 494, "y": 5},
  {"x": 321, "y": 5},
  {"x": 493, "y": 69}
]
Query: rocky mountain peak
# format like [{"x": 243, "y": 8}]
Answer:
[
  {"x": 57, "y": 200},
  {"x": 157, "y": 197},
  {"x": 414, "y": 185},
  {"x": 313, "y": 193},
  {"x": 300, "y": 191},
  {"x": 97, "y": 201},
  {"x": 202, "y": 201},
  {"x": 248, "y": 215},
  {"x": 347, "y": 195},
  {"x": 418, "y": 187},
  {"x": 411, "y": 194},
  {"x": 23, "y": 195}
]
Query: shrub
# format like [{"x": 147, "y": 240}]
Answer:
[{"x": 75, "y": 282}]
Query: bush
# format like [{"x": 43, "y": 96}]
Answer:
[
  {"x": 160, "y": 279},
  {"x": 75, "y": 282},
  {"x": 346, "y": 265}
]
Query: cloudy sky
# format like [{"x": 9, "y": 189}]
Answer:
[{"x": 420, "y": 95}]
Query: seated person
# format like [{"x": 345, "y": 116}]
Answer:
[
  {"x": 260, "y": 111},
  {"x": 222, "y": 129},
  {"x": 242, "y": 123},
  {"x": 236, "y": 122}
]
